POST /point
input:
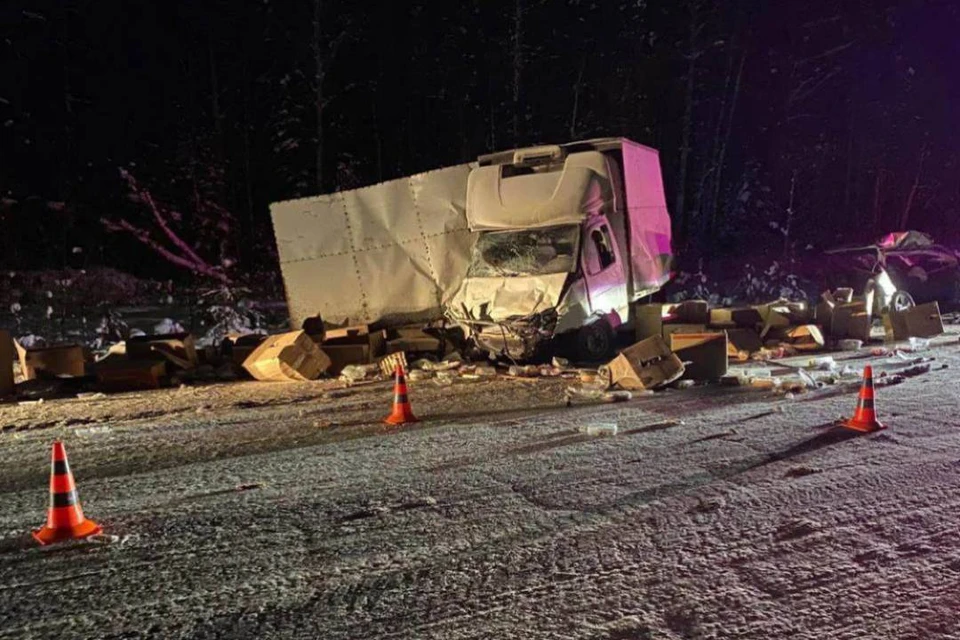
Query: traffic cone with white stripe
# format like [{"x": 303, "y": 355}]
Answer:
[
  {"x": 402, "y": 412},
  {"x": 865, "y": 417},
  {"x": 65, "y": 519}
]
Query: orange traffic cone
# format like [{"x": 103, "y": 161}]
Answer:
[
  {"x": 402, "y": 413},
  {"x": 65, "y": 519},
  {"x": 865, "y": 417}
]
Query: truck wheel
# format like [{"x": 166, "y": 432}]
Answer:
[{"x": 595, "y": 342}]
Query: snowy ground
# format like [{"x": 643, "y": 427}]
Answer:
[{"x": 253, "y": 510}]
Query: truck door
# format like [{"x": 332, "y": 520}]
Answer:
[{"x": 603, "y": 269}]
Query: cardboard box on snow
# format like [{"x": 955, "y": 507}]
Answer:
[
  {"x": 353, "y": 345},
  {"x": 851, "y": 320},
  {"x": 290, "y": 356},
  {"x": 647, "y": 364},
  {"x": 741, "y": 317},
  {"x": 237, "y": 347},
  {"x": 922, "y": 321},
  {"x": 704, "y": 355},
  {"x": 178, "y": 349},
  {"x": 743, "y": 342},
  {"x": 6, "y": 364},
  {"x": 119, "y": 373},
  {"x": 670, "y": 329},
  {"x": 68, "y": 360},
  {"x": 807, "y": 337},
  {"x": 650, "y": 319}
]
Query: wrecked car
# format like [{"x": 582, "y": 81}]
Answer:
[
  {"x": 522, "y": 249},
  {"x": 903, "y": 268}
]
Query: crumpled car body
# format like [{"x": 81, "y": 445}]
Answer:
[{"x": 914, "y": 262}]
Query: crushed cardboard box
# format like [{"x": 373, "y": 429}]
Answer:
[
  {"x": 670, "y": 329},
  {"x": 651, "y": 319},
  {"x": 6, "y": 364},
  {"x": 782, "y": 314},
  {"x": 806, "y": 337},
  {"x": 921, "y": 321},
  {"x": 415, "y": 340},
  {"x": 353, "y": 345},
  {"x": 647, "y": 364},
  {"x": 290, "y": 356},
  {"x": 704, "y": 355},
  {"x": 238, "y": 347},
  {"x": 735, "y": 317},
  {"x": 119, "y": 373},
  {"x": 179, "y": 349},
  {"x": 742, "y": 343},
  {"x": 66, "y": 360}
]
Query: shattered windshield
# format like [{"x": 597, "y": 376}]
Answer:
[{"x": 528, "y": 252}]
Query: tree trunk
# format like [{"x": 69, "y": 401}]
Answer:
[
  {"x": 318, "y": 78},
  {"x": 905, "y": 217},
  {"x": 517, "y": 67},
  {"x": 577, "y": 88},
  {"x": 725, "y": 142},
  {"x": 687, "y": 126},
  {"x": 876, "y": 198}
]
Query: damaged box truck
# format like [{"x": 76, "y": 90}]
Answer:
[{"x": 524, "y": 249}]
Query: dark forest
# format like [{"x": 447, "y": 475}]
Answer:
[{"x": 151, "y": 137}]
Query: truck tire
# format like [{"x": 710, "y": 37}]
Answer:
[{"x": 595, "y": 342}]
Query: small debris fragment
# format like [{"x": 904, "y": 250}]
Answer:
[
  {"x": 850, "y": 344},
  {"x": 599, "y": 429},
  {"x": 91, "y": 396}
]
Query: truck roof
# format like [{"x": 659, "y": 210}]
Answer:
[{"x": 557, "y": 150}]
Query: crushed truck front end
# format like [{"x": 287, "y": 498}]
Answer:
[{"x": 559, "y": 251}]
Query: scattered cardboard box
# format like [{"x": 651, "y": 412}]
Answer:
[
  {"x": 290, "y": 356},
  {"x": 670, "y": 329},
  {"x": 650, "y": 319},
  {"x": 353, "y": 345},
  {"x": 807, "y": 337},
  {"x": 179, "y": 349},
  {"x": 704, "y": 355},
  {"x": 237, "y": 348},
  {"x": 414, "y": 340},
  {"x": 67, "y": 360},
  {"x": 690, "y": 312},
  {"x": 741, "y": 343},
  {"x": 647, "y": 364},
  {"x": 740, "y": 317},
  {"x": 782, "y": 314},
  {"x": 118, "y": 373},
  {"x": 6, "y": 364},
  {"x": 851, "y": 320},
  {"x": 921, "y": 321},
  {"x": 823, "y": 313}
]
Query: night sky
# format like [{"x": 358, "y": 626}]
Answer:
[{"x": 212, "y": 107}]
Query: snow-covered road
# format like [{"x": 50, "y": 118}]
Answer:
[{"x": 714, "y": 513}]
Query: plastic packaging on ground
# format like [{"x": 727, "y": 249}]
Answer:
[
  {"x": 599, "y": 429},
  {"x": 850, "y": 345}
]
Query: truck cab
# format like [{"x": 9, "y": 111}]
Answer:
[{"x": 568, "y": 237}]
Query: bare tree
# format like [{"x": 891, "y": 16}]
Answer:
[
  {"x": 164, "y": 239},
  {"x": 914, "y": 188},
  {"x": 517, "y": 44},
  {"x": 324, "y": 47},
  {"x": 693, "y": 53}
]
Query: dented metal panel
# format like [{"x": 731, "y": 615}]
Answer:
[{"x": 393, "y": 252}]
